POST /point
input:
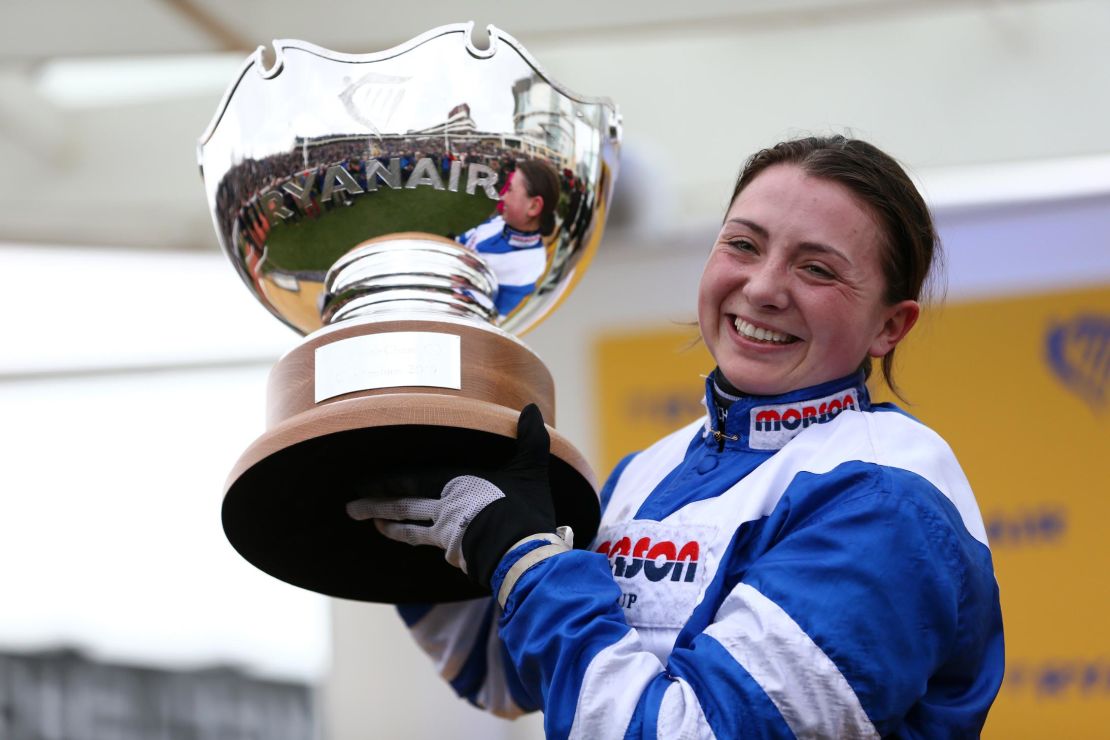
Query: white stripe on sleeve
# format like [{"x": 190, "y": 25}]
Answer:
[
  {"x": 448, "y": 632},
  {"x": 809, "y": 691},
  {"x": 484, "y": 231},
  {"x": 681, "y": 716},
  {"x": 602, "y": 711},
  {"x": 519, "y": 267},
  {"x": 494, "y": 694}
]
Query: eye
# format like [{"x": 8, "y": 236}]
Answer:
[
  {"x": 820, "y": 271},
  {"x": 741, "y": 244}
]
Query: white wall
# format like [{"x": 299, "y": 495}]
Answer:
[{"x": 129, "y": 384}]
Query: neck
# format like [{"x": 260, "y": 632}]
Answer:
[
  {"x": 724, "y": 388},
  {"x": 768, "y": 422}
]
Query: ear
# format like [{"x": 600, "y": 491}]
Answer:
[
  {"x": 898, "y": 321},
  {"x": 535, "y": 206}
]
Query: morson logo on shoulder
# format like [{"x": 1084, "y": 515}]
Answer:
[
  {"x": 654, "y": 561},
  {"x": 774, "y": 426}
]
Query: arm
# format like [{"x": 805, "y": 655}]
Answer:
[
  {"x": 462, "y": 641},
  {"x": 849, "y": 617},
  {"x": 475, "y": 523},
  {"x": 859, "y": 606}
]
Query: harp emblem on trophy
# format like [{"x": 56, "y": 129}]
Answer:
[{"x": 373, "y": 98}]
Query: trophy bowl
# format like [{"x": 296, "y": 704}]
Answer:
[{"x": 410, "y": 212}]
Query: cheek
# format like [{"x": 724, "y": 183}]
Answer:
[
  {"x": 708, "y": 304},
  {"x": 846, "y": 326}
]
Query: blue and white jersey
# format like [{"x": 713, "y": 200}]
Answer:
[
  {"x": 817, "y": 568},
  {"x": 517, "y": 259}
]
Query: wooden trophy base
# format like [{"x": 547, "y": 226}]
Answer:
[{"x": 285, "y": 501}]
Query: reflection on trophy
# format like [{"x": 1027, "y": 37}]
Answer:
[{"x": 409, "y": 211}]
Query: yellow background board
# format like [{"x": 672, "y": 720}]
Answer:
[{"x": 1020, "y": 388}]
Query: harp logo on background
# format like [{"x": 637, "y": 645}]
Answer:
[{"x": 1078, "y": 352}]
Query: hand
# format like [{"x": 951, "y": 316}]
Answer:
[{"x": 475, "y": 520}]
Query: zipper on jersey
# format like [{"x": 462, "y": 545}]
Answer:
[{"x": 719, "y": 432}]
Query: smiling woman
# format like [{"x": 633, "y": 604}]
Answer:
[
  {"x": 800, "y": 563},
  {"x": 793, "y": 294},
  {"x": 878, "y": 210}
]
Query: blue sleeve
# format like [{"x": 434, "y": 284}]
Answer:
[
  {"x": 896, "y": 592},
  {"x": 869, "y": 610},
  {"x": 461, "y": 639},
  {"x": 508, "y": 296}
]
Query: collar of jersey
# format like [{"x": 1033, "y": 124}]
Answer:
[
  {"x": 522, "y": 239},
  {"x": 738, "y": 422}
]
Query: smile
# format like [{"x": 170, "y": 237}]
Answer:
[{"x": 755, "y": 333}]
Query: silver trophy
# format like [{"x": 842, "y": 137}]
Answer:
[{"x": 410, "y": 212}]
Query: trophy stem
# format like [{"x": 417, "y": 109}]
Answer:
[{"x": 407, "y": 273}]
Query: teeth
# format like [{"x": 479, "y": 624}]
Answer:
[{"x": 761, "y": 335}]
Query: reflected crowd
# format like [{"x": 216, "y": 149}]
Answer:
[{"x": 317, "y": 176}]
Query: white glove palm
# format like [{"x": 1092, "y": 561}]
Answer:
[
  {"x": 407, "y": 519},
  {"x": 474, "y": 520}
]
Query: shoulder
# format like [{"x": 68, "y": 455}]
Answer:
[
  {"x": 878, "y": 497},
  {"x": 640, "y": 472},
  {"x": 666, "y": 453},
  {"x": 490, "y": 230},
  {"x": 898, "y": 454}
]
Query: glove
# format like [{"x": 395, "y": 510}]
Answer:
[{"x": 475, "y": 520}]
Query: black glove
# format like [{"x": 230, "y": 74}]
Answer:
[
  {"x": 476, "y": 520},
  {"x": 526, "y": 508}
]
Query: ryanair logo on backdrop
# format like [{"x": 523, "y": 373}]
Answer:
[
  {"x": 774, "y": 426},
  {"x": 1078, "y": 351}
]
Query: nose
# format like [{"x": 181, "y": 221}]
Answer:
[{"x": 766, "y": 285}]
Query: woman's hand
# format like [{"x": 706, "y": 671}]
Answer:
[{"x": 475, "y": 520}]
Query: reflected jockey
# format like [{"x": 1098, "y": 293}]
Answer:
[{"x": 512, "y": 242}]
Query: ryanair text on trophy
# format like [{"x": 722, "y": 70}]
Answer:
[{"x": 408, "y": 211}]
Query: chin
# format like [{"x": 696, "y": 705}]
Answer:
[{"x": 754, "y": 383}]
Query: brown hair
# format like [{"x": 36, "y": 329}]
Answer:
[
  {"x": 542, "y": 180},
  {"x": 910, "y": 244}
]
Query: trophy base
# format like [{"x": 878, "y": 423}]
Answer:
[{"x": 285, "y": 503}]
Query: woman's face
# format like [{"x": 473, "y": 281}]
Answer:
[
  {"x": 520, "y": 210},
  {"x": 792, "y": 294}
]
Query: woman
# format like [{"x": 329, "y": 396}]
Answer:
[
  {"x": 800, "y": 563},
  {"x": 511, "y": 241}
]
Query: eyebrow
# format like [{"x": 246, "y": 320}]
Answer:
[
  {"x": 805, "y": 246},
  {"x": 750, "y": 224}
]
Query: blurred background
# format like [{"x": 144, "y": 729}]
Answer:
[{"x": 133, "y": 360}]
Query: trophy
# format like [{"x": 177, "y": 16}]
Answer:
[{"x": 410, "y": 212}]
